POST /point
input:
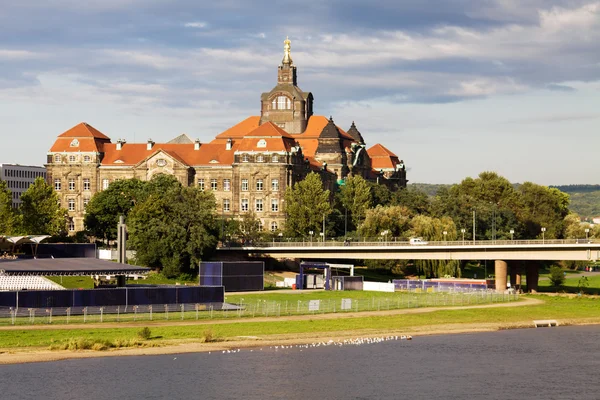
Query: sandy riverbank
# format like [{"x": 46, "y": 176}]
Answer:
[{"x": 27, "y": 355}]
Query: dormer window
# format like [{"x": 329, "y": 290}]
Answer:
[
  {"x": 74, "y": 143},
  {"x": 244, "y": 157},
  {"x": 259, "y": 158},
  {"x": 87, "y": 158},
  {"x": 72, "y": 158},
  {"x": 57, "y": 158},
  {"x": 261, "y": 143},
  {"x": 275, "y": 158}
]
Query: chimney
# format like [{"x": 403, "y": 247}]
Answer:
[
  {"x": 120, "y": 143},
  {"x": 149, "y": 144},
  {"x": 229, "y": 143},
  {"x": 197, "y": 144}
]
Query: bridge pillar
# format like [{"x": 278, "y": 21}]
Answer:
[
  {"x": 500, "y": 271},
  {"x": 533, "y": 274},
  {"x": 515, "y": 275}
]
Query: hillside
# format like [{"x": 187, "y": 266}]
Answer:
[{"x": 585, "y": 199}]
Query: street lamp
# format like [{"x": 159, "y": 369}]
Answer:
[
  {"x": 587, "y": 232},
  {"x": 445, "y": 233},
  {"x": 311, "y": 233},
  {"x": 384, "y": 235},
  {"x": 512, "y": 234},
  {"x": 463, "y": 230},
  {"x": 543, "y": 234}
]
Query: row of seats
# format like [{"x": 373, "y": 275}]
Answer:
[{"x": 9, "y": 282}]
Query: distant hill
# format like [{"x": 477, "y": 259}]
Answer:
[
  {"x": 585, "y": 199},
  {"x": 430, "y": 188}
]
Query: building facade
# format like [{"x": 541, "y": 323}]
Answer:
[
  {"x": 18, "y": 178},
  {"x": 248, "y": 167}
]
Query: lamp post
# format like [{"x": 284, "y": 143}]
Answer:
[
  {"x": 463, "y": 230},
  {"x": 587, "y": 233},
  {"x": 445, "y": 233},
  {"x": 543, "y": 235},
  {"x": 473, "y": 226},
  {"x": 311, "y": 233},
  {"x": 512, "y": 234}
]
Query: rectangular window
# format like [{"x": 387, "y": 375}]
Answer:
[
  {"x": 244, "y": 185},
  {"x": 71, "y": 226},
  {"x": 244, "y": 204},
  {"x": 86, "y": 183},
  {"x": 57, "y": 184},
  {"x": 275, "y": 158},
  {"x": 244, "y": 157},
  {"x": 71, "y": 184},
  {"x": 71, "y": 204},
  {"x": 105, "y": 183},
  {"x": 201, "y": 184},
  {"x": 226, "y": 205},
  {"x": 226, "y": 185},
  {"x": 275, "y": 185},
  {"x": 258, "y": 205},
  {"x": 259, "y": 185},
  {"x": 213, "y": 185},
  {"x": 274, "y": 205}
]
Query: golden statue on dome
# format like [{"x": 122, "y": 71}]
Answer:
[{"x": 287, "y": 58}]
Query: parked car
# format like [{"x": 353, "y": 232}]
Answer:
[{"x": 417, "y": 241}]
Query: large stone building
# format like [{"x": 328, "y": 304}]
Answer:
[{"x": 248, "y": 167}]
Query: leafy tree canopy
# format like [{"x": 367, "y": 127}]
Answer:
[
  {"x": 8, "y": 217},
  {"x": 40, "y": 210},
  {"x": 174, "y": 229},
  {"x": 306, "y": 203}
]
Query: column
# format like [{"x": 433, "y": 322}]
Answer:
[
  {"x": 500, "y": 271},
  {"x": 532, "y": 277}
]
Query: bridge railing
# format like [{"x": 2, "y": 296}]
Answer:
[{"x": 370, "y": 242}]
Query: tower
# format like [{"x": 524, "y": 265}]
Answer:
[{"x": 286, "y": 105}]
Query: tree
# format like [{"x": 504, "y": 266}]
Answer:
[
  {"x": 412, "y": 198},
  {"x": 355, "y": 197},
  {"x": 40, "y": 210},
  {"x": 306, "y": 204},
  {"x": 543, "y": 207},
  {"x": 105, "y": 207},
  {"x": 173, "y": 230},
  {"x": 391, "y": 221},
  {"x": 433, "y": 229},
  {"x": 557, "y": 276},
  {"x": 249, "y": 227},
  {"x": 8, "y": 217}
]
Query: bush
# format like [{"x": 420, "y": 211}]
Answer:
[
  {"x": 145, "y": 333},
  {"x": 557, "y": 276},
  {"x": 209, "y": 336}
]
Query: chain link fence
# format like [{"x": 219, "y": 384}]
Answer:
[{"x": 245, "y": 308}]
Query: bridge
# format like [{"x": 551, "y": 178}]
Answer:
[{"x": 516, "y": 252}]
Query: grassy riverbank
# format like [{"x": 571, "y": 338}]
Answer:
[{"x": 575, "y": 310}]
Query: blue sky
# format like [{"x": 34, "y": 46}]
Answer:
[{"x": 453, "y": 87}]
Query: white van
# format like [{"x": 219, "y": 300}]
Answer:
[{"x": 417, "y": 241}]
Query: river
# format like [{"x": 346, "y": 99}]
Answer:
[{"x": 544, "y": 363}]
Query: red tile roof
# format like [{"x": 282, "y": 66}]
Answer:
[
  {"x": 382, "y": 158},
  {"x": 240, "y": 129},
  {"x": 83, "y": 130}
]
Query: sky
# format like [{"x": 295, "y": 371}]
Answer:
[{"x": 453, "y": 87}]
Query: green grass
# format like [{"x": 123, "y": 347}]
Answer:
[
  {"x": 86, "y": 282},
  {"x": 566, "y": 309},
  {"x": 571, "y": 285}
]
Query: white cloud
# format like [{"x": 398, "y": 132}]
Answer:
[
  {"x": 198, "y": 25},
  {"x": 7, "y": 54}
]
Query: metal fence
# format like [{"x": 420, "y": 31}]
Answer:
[{"x": 245, "y": 308}]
